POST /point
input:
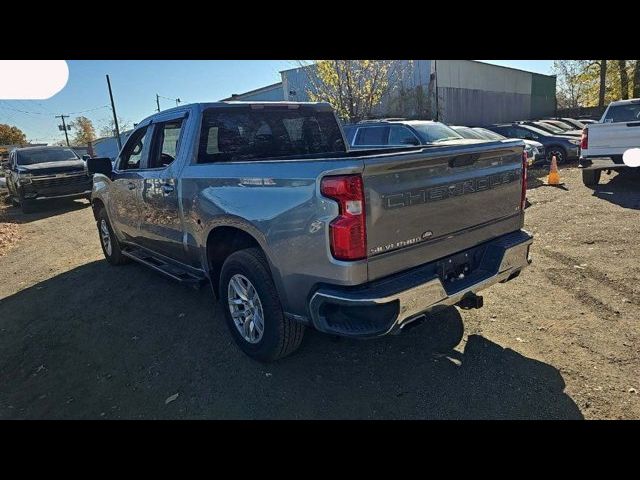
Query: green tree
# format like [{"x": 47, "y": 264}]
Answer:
[
  {"x": 353, "y": 87},
  {"x": 636, "y": 79},
  {"x": 84, "y": 131},
  {"x": 588, "y": 83},
  {"x": 11, "y": 135}
]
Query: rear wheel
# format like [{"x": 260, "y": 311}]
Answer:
[
  {"x": 252, "y": 308},
  {"x": 591, "y": 178},
  {"x": 559, "y": 152},
  {"x": 108, "y": 240}
]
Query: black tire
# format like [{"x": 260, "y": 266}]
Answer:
[
  {"x": 591, "y": 178},
  {"x": 281, "y": 336},
  {"x": 27, "y": 206},
  {"x": 114, "y": 254},
  {"x": 559, "y": 152}
]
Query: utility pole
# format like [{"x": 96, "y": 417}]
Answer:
[
  {"x": 115, "y": 117},
  {"x": 158, "y": 102},
  {"x": 435, "y": 71},
  {"x": 64, "y": 127}
]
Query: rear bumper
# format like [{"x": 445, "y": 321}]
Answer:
[
  {"x": 602, "y": 163},
  {"x": 385, "y": 306}
]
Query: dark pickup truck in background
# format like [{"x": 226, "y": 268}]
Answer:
[
  {"x": 292, "y": 229},
  {"x": 40, "y": 173}
]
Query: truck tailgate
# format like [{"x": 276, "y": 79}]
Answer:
[
  {"x": 607, "y": 139},
  {"x": 427, "y": 205}
]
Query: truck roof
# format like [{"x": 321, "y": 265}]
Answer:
[
  {"x": 625, "y": 102},
  {"x": 319, "y": 106}
]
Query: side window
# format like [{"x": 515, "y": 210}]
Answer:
[
  {"x": 166, "y": 137},
  {"x": 372, "y": 136},
  {"x": 131, "y": 156},
  {"x": 524, "y": 133},
  {"x": 400, "y": 135}
]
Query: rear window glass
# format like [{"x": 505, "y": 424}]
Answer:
[
  {"x": 372, "y": 136},
  {"x": 623, "y": 113},
  {"x": 31, "y": 157},
  {"x": 239, "y": 134}
]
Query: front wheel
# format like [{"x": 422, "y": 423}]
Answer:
[
  {"x": 591, "y": 178},
  {"x": 109, "y": 241},
  {"x": 560, "y": 154},
  {"x": 252, "y": 308},
  {"x": 26, "y": 205}
]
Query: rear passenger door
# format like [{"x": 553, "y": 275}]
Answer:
[{"x": 161, "y": 224}]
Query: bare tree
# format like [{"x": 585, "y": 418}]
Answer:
[
  {"x": 636, "y": 80},
  {"x": 108, "y": 126}
]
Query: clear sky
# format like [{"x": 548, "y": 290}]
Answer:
[{"x": 135, "y": 84}]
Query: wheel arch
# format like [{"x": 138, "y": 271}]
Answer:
[{"x": 222, "y": 241}]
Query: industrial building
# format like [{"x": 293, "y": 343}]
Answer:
[{"x": 468, "y": 92}]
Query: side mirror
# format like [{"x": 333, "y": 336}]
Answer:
[
  {"x": 101, "y": 165},
  {"x": 86, "y": 157},
  {"x": 410, "y": 141}
]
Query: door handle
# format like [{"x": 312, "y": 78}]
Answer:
[
  {"x": 166, "y": 189},
  {"x": 131, "y": 186}
]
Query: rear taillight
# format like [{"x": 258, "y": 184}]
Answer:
[
  {"x": 525, "y": 166},
  {"x": 347, "y": 232},
  {"x": 584, "y": 141}
]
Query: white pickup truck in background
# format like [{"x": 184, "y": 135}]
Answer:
[{"x": 604, "y": 143}]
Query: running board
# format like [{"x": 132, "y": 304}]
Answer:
[{"x": 170, "y": 270}]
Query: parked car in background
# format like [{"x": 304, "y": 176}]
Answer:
[
  {"x": 565, "y": 148},
  {"x": 42, "y": 173},
  {"x": 567, "y": 128},
  {"x": 576, "y": 124},
  {"x": 468, "y": 132},
  {"x": 552, "y": 129},
  {"x": 604, "y": 143},
  {"x": 400, "y": 133},
  {"x": 535, "y": 150},
  {"x": 292, "y": 229}
]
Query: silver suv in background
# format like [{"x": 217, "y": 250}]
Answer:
[{"x": 394, "y": 133}]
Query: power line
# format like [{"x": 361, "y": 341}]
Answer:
[{"x": 89, "y": 110}]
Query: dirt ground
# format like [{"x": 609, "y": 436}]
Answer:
[{"x": 81, "y": 339}]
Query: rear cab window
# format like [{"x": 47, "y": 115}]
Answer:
[
  {"x": 622, "y": 113},
  {"x": 240, "y": 134}
]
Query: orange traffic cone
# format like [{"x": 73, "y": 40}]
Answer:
[{"x": 554, "y": 176}]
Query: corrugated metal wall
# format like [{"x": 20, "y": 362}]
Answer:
[
  {"x": 543, "y": 96},
  {"x": 274, "y": 93},
  {"x": 470, "y": 92},
  {"x": 461, "y": 106}
]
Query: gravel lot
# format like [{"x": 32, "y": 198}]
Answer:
[{"x": 83, "y": 340}]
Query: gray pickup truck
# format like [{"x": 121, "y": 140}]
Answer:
[{"x": 266, "y": 202}]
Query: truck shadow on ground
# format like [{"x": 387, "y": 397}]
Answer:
[
  {"x": 43, "y": 209},
  {"x": 621, "y": 189},
  {"x": 106, "y": 342}
]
